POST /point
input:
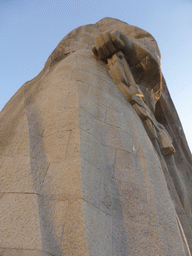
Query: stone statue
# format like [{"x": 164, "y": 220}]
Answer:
[
  {"x": 110, "y": 44},
  {"x": 94, "y": 160}
]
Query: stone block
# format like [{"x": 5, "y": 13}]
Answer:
[
  {"x": 74, "y": 240},
  {"x": 61, "y": 73},
  {"x": 133, "y": 185},
  {"x": 16, "y": 177},
  {"x": 85, "y": 120},
  {"x": 99, "y": 189},
  {"x": 53, "y": 121},
  {"x": 119, "y": 119},
  {"x": 21, "y": 252},
  {"x": 20, "y": 223},
  {"x": 73, "y": 147},
  {"x": 110, "y": 136},
  {"x": 52, "y": 214},
  {"x": 96, "y": 110},
  {"x": 101, "y": 156},
  {"x": 91, "y": 183},
  {"x": 144, "y": 239},
  {"x": 120, "y": 245},
  {"x": 63, "y": 181},
  {"x": 104, "y": 96},
  {"x": 98, "y": 230},
  {"x": 22, "y": 146},
  {"x": 10, "y": 138},
  {"x": 172, "y": 242},
  {"x": 56, "y": 145}
]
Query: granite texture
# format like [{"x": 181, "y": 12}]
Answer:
[{"x": 79, "y": 173}]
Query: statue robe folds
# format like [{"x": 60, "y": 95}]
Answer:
[{"x": 93, "y": 156}]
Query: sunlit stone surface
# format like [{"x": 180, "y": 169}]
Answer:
[{"x": 80, "y": 174}]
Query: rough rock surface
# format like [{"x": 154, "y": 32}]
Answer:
[{"x": 79, "y": 173}]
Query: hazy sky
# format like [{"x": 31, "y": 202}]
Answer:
[{"x": 31, "y": 29}]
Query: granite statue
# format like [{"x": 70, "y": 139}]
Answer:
[{"x": 93, "y": 157}]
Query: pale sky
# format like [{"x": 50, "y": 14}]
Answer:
[{"x": 31, "y": 29}]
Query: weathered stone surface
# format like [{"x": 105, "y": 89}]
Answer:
[
  {"x": 20, "y": 252},
  {"x": 79, "y": 172},
  {"x": 20, "y": 221}
]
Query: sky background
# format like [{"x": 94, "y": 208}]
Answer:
[{"x": 31, "y": 29}]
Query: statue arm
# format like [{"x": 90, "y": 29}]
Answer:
[
  {"x": 137, "y": 53},
  {"x": 143, "y": 61},
  {"x": 121, "y": 53},
  {"x": 110, "y": 42}
]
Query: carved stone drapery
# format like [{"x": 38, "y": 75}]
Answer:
[{"x": 79, "y": 173}]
